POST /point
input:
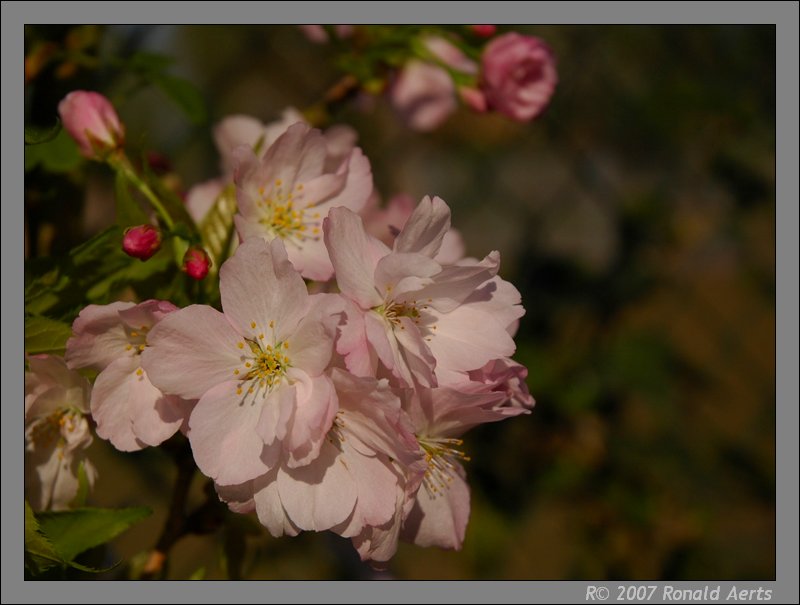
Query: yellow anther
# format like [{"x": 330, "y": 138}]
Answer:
[
  {"x": 128, "y": 347},
  {"x": 247, "y": 364},
  {"x": 240, "y": 345},
  {"x": 134, "y": 334},
  {"x": 261, "y": 336},
  {"x": 141, "y": 347},
  {"x": 252, "y": 324},
  {"x": 300, "y": 187},
  {"x": 236, "y": 371},
  {"x": 239, "y": 391},
  {"x": 139, "y": 372},
  {"x": 278, "y": 182},
  {"x": 271, "y": 323}
]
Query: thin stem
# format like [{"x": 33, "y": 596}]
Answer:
[
  {"x": 175, "y": 526},
  {"x": 123, "y": 165}
]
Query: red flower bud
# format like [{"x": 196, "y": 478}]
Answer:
[
  {"x": 141, "y": 242},
  {"x": 483, "y": 31},
  {"x": 196, "y": 263}
]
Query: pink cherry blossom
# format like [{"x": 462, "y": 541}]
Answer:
[
  {"x": 424, "y": 95},
  {"x": 91, "y": 120},
  {"x": 287, "y": 194},
  {"x": 56, "y": 433},
  {"x": 406, "y": 310},
  {"x": 130, "y": 412},
  {"x": 518, "y": 75},
  {"x": 142, "y": 241},
  {"x": 352, "y": 485},
  {"x": 257, "y": 368}
]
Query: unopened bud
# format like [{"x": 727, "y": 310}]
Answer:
[
  {"x": 142, "y": 241},
  {"x": 91, "y": 120},
  {"x": 196, "y": 263}
]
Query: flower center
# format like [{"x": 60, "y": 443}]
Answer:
[
  {"x": 413, "y": 309},
  {"x": 280, "y": 216},
  {"x": 47, "y": 429},
  {"x": 442, "y": 457},
  {"x": 264, "y": 366},
  {"x": 137, "y": 339}
]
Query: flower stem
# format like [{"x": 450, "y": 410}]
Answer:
[{"x": 123, "y": 165}]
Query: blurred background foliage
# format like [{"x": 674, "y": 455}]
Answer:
[{"x": 636, "y": 216}]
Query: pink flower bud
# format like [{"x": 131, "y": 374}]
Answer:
[
  {"x": 474, "y": 98},
  {"x": 518, "y": 75},
  {"x": 141, "y": 242},
  {"x": 91, "y": 120},
  {"x": 196, "y": 263},
  {"x": 483, "y": 31}
]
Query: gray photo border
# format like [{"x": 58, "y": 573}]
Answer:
[{"x": 784, "y": 15}]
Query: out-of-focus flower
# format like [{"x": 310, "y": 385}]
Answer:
[
  {"x": 318, "y": 35},
  {"x": 483, "y": 31},
  {"x": 287, "y": 194},
  {"x": 142, "y": 241},
  {"x": 130, "y": 412},
  {"x": 91, "y": 120},
  {"x": 257, "y": 369},
  {"x": 56, "y": 433},
  {"x": 409, "y": 312},
  {"x": 518, "y": 75},
  {"x": 196, "y": 263},
  {"x": 352, "y": 484}
]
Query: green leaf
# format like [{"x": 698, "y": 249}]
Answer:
[
  {"x": 83, "y": 487},
  {"x": 148, "y": 63},
  {"x": 72, "y": 532},
  {"x": 129, "y": 212},
  {"x": 43, "y": 335},
  {"x": 184, "y": 94},
  {"x": 36, "y": 135},
  {"x": 39, "y": 552},
  {"x": 199, "y": 574},
  {"x": 57, "y": 155}
]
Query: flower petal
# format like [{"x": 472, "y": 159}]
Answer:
[
  {"x": 425, "y": 228},
  {"x": 440, "y": 518},
  {"x": 258, "y": 286},
  {"x": 222, "y": 431},
  {"x": 99, "y": 336},
  {"x": 191, "y": 350},
  {"x": 353, "y": 254}
]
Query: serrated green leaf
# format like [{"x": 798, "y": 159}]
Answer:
[
  {"x": 43, "y": 335},
  {"x": 36, "y": 135},
  {"x": 72, "y": 532},
  {"x": 39, "y": 552},
  {"x": 184, "y": 94},
  {"x": 129, "y": 212}
]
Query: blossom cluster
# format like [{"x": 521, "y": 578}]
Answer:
[{"x": 354, "y": 346}]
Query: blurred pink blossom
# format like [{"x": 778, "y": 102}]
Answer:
[
  {"x": 518, "y": 75},
  {"x": 91, "y": 120},
  {"x": 56, "y": 433}
]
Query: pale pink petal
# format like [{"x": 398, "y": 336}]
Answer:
[
  {"x": 424, "y": 95},
  {"x": 455, "y": 283},
  {"x": 297, "y": 156},
  {"x": 260, "y": 286},
  {"x": 275, "y": 415},
  {"x": 416, "y": 353},
  {"x": 201, "y": 198},
  {"x": 352, "y": 254},
  {"x": 130, "y": 412},
  {"x": 399, "y": 273},
  {"x": 99, "y": 337},
  {"x": 192, "y": 350},
  {"x": 314, "y": 410},
  {"x": 500, "y": 299},
  {"x": 453, "y": 248},
  {"x": 50, "y": 384},
  {"x": 309, "y": 258},
  {"x": 356, "y": 188},
  {"x": 311, "y": 345},
  {"x": 425, "y": 229},
  {"x": 239, "y": 498},
  {"x": 382, "y": 341},
  {"x": 353, "y": 345},
  {"x": 233, "y": 131},
  {"x": 146, "y": 314},
  {"x": 440, "y": 518},
  {"x": 222, "y": 431},
  {"x": 269, "y": 507},
  {"x": 466, "y": 339},
  {"x": 321, "y": 495}
]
